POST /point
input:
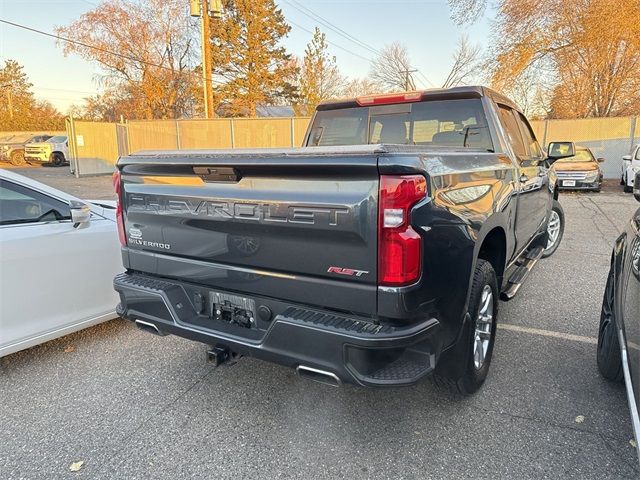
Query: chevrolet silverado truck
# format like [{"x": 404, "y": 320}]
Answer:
[
  {"x": 53, "y": 151},
  {"x": 373, "y": 255}
]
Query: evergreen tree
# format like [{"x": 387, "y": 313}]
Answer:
[
  {"x": 248, "y": 58},
  {"x": 320, "y": 78}
]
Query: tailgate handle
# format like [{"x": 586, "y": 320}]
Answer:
[{"x": 217, "y": 174}]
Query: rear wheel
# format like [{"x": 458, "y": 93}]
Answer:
[
  {"x": 56, "y": 159},
  {"x": 555, "y": 229},
  {"x": 17, "y": 158},
  {"x": 609, "y": 356},
  {"x": 478, "y": 338}
]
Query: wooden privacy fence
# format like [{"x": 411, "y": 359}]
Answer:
[
  {"x": 96, "y": 146},
  {"x": 609, "y": 138}
]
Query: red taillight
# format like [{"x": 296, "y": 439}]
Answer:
[
  {"x": 399, "y": 245},
  {"x": 117, "y": 185},
  {"x": 387, "y": 98}
]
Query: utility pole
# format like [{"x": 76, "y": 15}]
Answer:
[
  {"x": 202, "y": 9},
  {"x": 408, "y": 81}
]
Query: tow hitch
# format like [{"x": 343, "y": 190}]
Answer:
[{"x": 219, "y": 355}]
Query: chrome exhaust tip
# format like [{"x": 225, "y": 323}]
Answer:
[
  {"x": 320, "y": 376},
  {"x": 148, "y": 327}
]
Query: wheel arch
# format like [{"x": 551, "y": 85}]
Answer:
[
  {"x": 494, "y": 250},
  {"x": 492, "y": 244}
]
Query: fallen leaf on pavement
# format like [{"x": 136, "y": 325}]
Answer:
[
  {"x": 633, "y": 443},
  {"x": 69, "y": 349},
  {"x": 580, "y": 419},
  {"x": 76, "y": 466}
]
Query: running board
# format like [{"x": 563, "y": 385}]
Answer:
[{"x": 525, "y": 264}]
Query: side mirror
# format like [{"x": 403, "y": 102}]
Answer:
[
  {"x": 80, "y": 213},
  {"x": 626, "y": 158},
  {"x": 559, "y": 150},
  {"x": 600, "y": 160},
  {"x": 636, "y": 187}
]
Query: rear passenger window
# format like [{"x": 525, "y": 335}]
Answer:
[{"x": 510, "y": 125}]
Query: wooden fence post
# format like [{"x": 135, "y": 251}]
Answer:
[
  {"x": 293, "y": 132},
  {"x": 72, "y": 139},
  {"x": 546, "y": 129}
]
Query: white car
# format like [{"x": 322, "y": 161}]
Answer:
[
  {"x": 630, "y": 166},
  {"x": 58, "y": 257}
]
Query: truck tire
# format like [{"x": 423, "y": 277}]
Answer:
[
  {"x": 555, "y": 229},
  {"x": 56, "y": 159},
  {"x": 628, "y": 189},
  {"x": 477, "y": 339},
  {"x": 17, "y": 158},
  {"x": 609, "y": 355}
]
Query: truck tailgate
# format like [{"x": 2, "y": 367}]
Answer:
[{"x": 299, "y": 225}]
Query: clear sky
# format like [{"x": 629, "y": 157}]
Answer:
[{"x": 423, "y": 26}]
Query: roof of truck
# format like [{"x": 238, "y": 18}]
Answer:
[{"x": 428, "y": 94}]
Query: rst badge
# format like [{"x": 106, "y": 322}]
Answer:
[{"x": 350, "y": 272}]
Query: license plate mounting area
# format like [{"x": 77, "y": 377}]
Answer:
[{"x": 233, "y": 309}]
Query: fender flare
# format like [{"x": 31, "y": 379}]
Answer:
[{"x": 497, "y": 220}]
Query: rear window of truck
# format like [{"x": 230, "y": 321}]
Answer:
[{"x": 441, "y": 123}]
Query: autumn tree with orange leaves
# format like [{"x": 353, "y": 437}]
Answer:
[
  {"x": 586, "y": 53},
  {"x": 146, "y": 52}
]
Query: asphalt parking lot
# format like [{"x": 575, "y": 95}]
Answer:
[{"x": 132, "y": 405}]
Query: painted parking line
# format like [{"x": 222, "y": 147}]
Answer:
[{"x": 548, "y": 333}]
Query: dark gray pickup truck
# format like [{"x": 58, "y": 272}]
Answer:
[{"x": 373, "y": 255}]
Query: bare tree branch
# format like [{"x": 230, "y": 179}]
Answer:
[
  {"x": 466, "y": 64},
  {"x": 392, "y": 68},
  {"x": 465, "y": 12}
]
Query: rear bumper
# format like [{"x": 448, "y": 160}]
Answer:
[{"x": 353, "y": 349}]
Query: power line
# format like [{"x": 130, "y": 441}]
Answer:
[
  {"x": 323, "y": 21},
  {"x": 330, "y": 43},
  {"x": 314, "y": 16},
  {"x": 64, "y": 90},
  {"x": 424, "y": 77},
  {"x": 100, "y": 49}
]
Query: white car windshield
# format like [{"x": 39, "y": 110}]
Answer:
[{"x": 58, "y": 139}]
